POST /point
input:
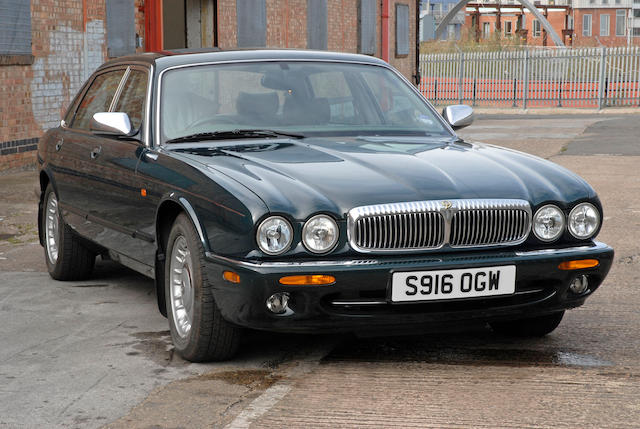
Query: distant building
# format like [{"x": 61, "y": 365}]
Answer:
[
  {"x": 511, "y": 19},
  {"x": 434, "y": 11},
  {"x": 606, "y": 22},
  {"x": 576, "y": 22}
]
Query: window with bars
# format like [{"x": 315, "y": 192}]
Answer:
[
  {"x": 621, "y": 22},
  {"x": 537, "y": 28},
  {"x": 604, "y": 25},
  {"x": 586, "y": 25}
]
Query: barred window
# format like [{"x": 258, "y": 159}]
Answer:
[
  {"x": 536, "y": 28},
  {"x": 621, "y": 22},
  {"x": 586, "y": 25},
  {"x": 604, "y": 25}
]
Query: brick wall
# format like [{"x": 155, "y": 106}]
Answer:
[
  {"x": 596, "y": 39},
  {"x": 66, "y": 49},
  {"x": 287, "y": 28}
]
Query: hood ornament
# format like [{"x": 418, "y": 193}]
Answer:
[{"x": 446, "y": 204}]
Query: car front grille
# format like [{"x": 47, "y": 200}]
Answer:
[
  {"x": 428, "y": 225},
  {"x": 475, "y": 224}
]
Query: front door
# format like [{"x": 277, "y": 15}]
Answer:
[{"x": 118, "y": 205}]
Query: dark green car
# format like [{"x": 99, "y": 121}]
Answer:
[{"x": 301, "y": 191}]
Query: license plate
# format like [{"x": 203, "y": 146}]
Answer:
[{"x": 453, "y": 284}]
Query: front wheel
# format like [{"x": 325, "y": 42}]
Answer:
[
  {"x": 530, "y": 327},
  {"x": 198, "y": 330}
]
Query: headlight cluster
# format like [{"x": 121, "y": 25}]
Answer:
[
  {"x": 549, "y": 222},
  {"x": 319, "y": 234},
  {"x": 275, "y": 235}
]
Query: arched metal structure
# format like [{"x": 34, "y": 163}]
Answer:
[{"x": 526, "y": 3}]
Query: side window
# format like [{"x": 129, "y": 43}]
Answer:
[
  {"x": 133, "y": 96},
  {"x": 97, "y": 99}
]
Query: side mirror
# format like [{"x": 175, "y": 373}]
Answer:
[
  {"x": 458, "y": 116},
  {"x": 111, "y": 124}
]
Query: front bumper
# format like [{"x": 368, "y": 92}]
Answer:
[{"x": 358, "y": 300}]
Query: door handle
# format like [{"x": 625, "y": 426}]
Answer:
[
  {"x": 59, "y": 144},
  {"x": 96, "y": 152}
]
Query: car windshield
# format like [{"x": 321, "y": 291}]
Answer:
[{"x": 307, "y": 98}]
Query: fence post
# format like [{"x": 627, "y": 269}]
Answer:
[
  {"x": 474, "y": 92},
  {"x": 525, "y": 86},
  {"x": 601, "y": 94},
  {"x": 460, "y": 74},
  {"x": 435, "y": 92},
  {"x": 560, "y": 94}
]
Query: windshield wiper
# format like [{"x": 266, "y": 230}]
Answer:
[{"x": 234, "y": 134}]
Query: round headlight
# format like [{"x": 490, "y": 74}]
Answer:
[
  {"x": 274, "y": 235},
  {"x": 320, "y": 234},
  {"x": 548, "y": 223},
  {"x": 584, "y": 220}
]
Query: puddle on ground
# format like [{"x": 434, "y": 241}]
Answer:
[
  {"x": 157, "y": 347},
  {"x": 421, "y": 351},
  {"x": 260, "y": 379}
]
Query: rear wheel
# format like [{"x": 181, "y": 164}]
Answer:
[
  {"x": 198, "y": 330},
  {"x": 530, "y": 327},
  {"x": 67, "y": 258}
]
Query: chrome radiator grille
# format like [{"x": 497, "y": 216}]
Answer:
[
  {"x": 400, "y": 231},
  {"x": 425, "y": 225},
  {"x": 478, "y": 224}
]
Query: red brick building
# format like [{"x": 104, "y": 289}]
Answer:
[
  {"x": 487, "y": 21},
  {"x": 49, "y": 47},
  {"x": 577, "y": 22}
]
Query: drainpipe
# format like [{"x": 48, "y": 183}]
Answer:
[
  {"x": 153, "y": 25},
  {"x": 416, "y": 75},
  {"x": 385, "y": 30}
]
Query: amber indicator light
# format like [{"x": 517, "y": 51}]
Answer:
[
  {"x": 308, "y": 280},
  {"x": 231, "y": 276},
  {"x": 143, "y": 192},
  {"x": 578, "y": 264}
]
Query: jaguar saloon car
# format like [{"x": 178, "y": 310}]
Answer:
[{"x": 309, "y": 192}]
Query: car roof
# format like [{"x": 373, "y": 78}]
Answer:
[{"x": 166, "y": 59}]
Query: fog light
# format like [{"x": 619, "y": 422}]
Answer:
[
  {"x": 579, "y": 285},
  {"x": 278, "y": 303}
]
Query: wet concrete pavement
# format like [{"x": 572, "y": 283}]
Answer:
[{"x": 94, "y": 353}]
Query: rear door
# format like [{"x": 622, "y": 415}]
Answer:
[{"x": 74, "y": 167}]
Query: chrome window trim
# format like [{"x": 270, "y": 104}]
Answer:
[
  {"x": 148, "y": 109},
  {"x": 447, "y": 209},
  {"x": 116, "y": 95},
  {"x": 300, "y": 60}
]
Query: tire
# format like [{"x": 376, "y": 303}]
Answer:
[
  {"x": 66, "y": 257},
  {"x": 530, "y": 327},
  {"x": 198, "y": 330}
]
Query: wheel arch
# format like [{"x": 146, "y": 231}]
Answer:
[
  {"x": 45, "y": 179},
  {"x": 168, "y": 210}
]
